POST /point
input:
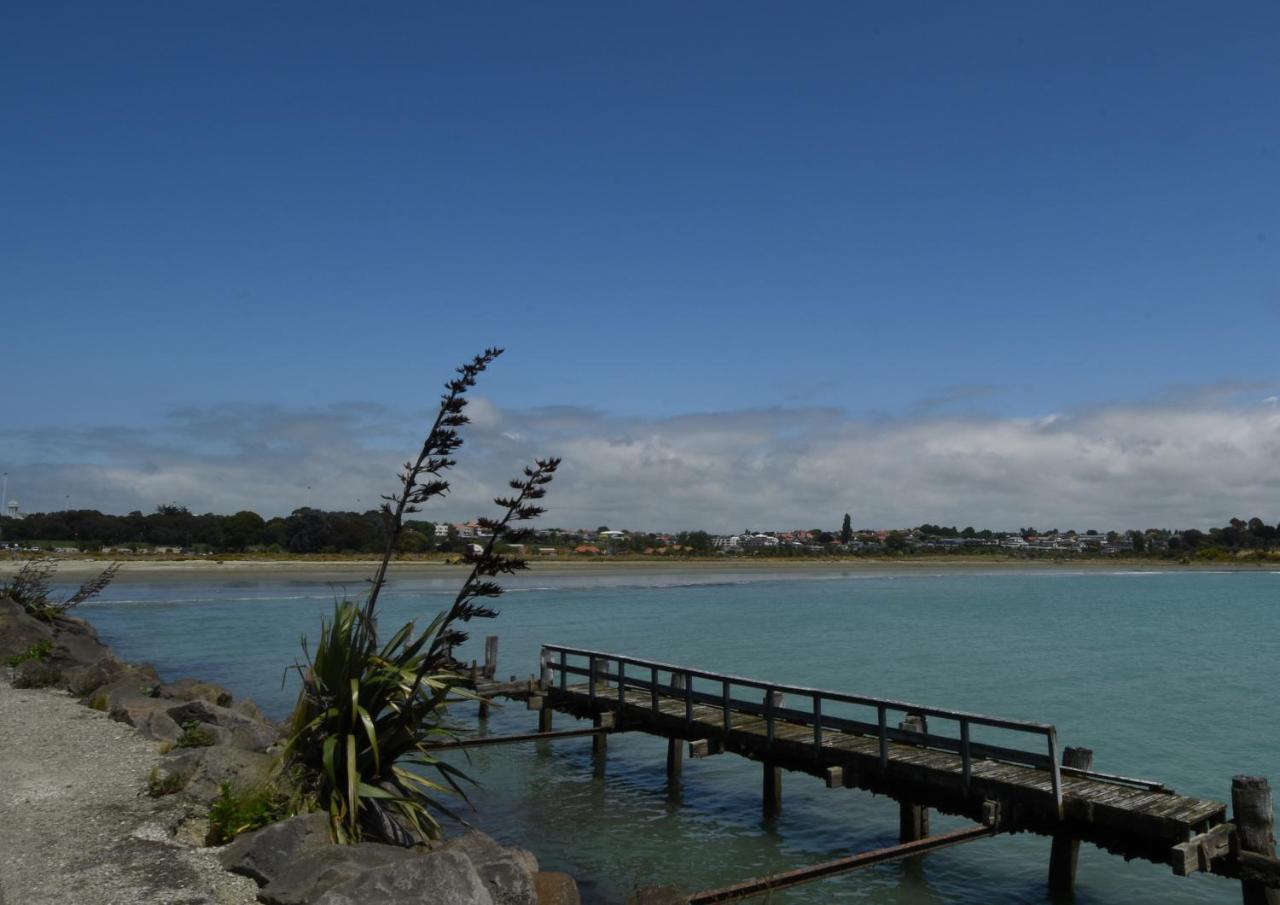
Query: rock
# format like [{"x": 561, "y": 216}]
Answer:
[
  {"x": 162, "y": 727},
  {"x": 77, "y": 642},
  {"x": 305, "y": 877},
  {"x": 195, "y": 690},
  {"x": 83, "y": 681},
  {"x": 200, "y": 772},
  {"x": 18, "y": 631},
  {"x": 658, "y": 895},
  {"x": 507, "y": 873},
  {"x": 242, "y": 731},
  {"x": 265, "y": 854},
  {"x": 444, "y": 877},
  {"x": 36, "y": 674},
  {"x": 248, "y": 709},
  {"x": 555, "y": 888}
]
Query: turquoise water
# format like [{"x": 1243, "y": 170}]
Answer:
[{"x": 1170, "y": 676}]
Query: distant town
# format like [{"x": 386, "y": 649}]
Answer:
[{"x": 174, "y": 530}]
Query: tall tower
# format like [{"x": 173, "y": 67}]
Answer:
[{"x": 12, "y": 509}]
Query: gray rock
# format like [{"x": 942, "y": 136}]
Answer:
[
  {"x": 442, "y": 877},
  {"x": 18, "y": 631},
  {"x": 265, "y": 854},
  {"x": 36, "y": 674},
  {"x": 195, "y": 690},
  {"x": 507, "y": 873},
  {"x": 248, "y": 709},
  {"x": 200, "y": 772},
  {"x": 83, "y": 681},
  {"x": 243, "y": 732},
  {"x": 304, "y": 878},
  {"x": 161, "y": 726},
  {"x": 555, "y": 888}
]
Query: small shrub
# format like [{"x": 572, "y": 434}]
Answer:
[
  {"x": 234, "y": 813},
  {"x": 100, "y": 702},
  {"x": 30, "y": 588},
  {"x": 162, "y": 782},
  {"x": 38, "y": 651},
  {"x": 194, "y": 735}
]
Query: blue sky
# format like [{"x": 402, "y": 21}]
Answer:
[{"x": 971, "y": 213}]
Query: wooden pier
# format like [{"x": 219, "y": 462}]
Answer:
[{"x": 1006, "y": 775}]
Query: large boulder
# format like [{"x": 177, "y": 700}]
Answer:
[
  {"x": 242, "y": 731},
  {"x": 264, "y": 855},
  {"x": 555, "y": 888},
  {"x": 195, "y": 690},
  {"x": 18, "y": 631},
  {"x": 83, "y": 681},
  {"x": 444, "y": 877},
  {"x": 507, "y": 873},
  {"x": 36, "y": 674},
  {"x": 200, "y": 772},
  {"x": 307, "y": 876}
]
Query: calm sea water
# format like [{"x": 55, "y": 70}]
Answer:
[{"x": 1171, "y": 676}]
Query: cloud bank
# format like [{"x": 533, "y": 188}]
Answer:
[{"x": 1189, "y": 464}]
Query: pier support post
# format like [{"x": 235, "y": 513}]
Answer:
[
  {"x": 599, "y": 742},
  {"x": 675, "y": 746},
  {"x": 1066, "y": 848},
  {"x": 484, "y": 709},
  {"x": 913, "y": 820},
  {"x": 772, "y": 790},
  {"x": 490, "y": 656},
  {"x": 1252, "y": 813},
  {"x": 545, "y": 716}
]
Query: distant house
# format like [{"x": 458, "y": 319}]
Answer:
[
  {"x": 613, "y": 535},
  {"x": 727, "y": 542},
  {"x": 442, "y": 530},
  {"x": 759, "y": 540},
  {"x": 587, "y": 550}
]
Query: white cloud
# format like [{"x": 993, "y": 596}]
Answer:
[{"x": 1168, "y": 465}]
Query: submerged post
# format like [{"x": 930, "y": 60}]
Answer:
[
  {"x": 913, "y": 819},
  {"x": 1066, "y": 848},
  {"x": 1252, "y": 813},
  {"x": 675, "y": 746}
]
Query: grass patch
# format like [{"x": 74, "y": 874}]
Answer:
[
  {"x": 234, "y": 813},
  {"x": 194, "y": 735},
  {"x": 41, "y": 650},
  {"x": 161, "y": 782}
]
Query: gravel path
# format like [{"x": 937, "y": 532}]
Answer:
[{"x": 76, "y": 824}]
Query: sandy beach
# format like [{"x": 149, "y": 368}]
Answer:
[{"x": 355, "y": 569}]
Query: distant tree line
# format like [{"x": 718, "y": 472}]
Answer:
[{"x": 309, "y": 530}]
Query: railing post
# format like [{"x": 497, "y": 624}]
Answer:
[
  {"x": 564, "y": 673},
  {"x": 490, "y": 656},
  {"x": 1066, "y": 848},
  {"x": 724, "y": 700},
  {"x": 966, "y": 761},
  {"x": 882, "y": 719},
  {"x": 688, "y": 697},
  {"x": 545, "y": 678},
  {"x": 622, "y": 685},
  {"x": 653, "y": 688},
  {"x": 768, "y": 715},
  {"x": 1055, "y": 770},
  {"x": 817, "y": 723},
  {"x": 591, "y": 680}
]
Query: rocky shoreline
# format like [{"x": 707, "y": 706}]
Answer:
[{"x": 107, "y": 774}]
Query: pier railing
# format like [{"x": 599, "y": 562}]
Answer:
[{"x": 771, "y": 701}]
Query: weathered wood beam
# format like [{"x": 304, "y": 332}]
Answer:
[
  {"x": 771, "y": 882},
  {"x": 705, "y": 747},
  {"x": 1065, "y": 851},
  {"x": 484, "y": 740},
  {"x": 1199, "y": 852}
]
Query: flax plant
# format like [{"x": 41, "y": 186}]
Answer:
[{"x": 368, "y": 712}]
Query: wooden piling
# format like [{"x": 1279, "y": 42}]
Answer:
[
  {"x": 1252, "y": 813},
  {"x": 772, "y": 790},
  {"x": 546, "y": 716},
  {"x": 675, "y": 746},
  {"x": 600, "y": 743},
  {"x": 490, "y": 656},
  {"x": 1066, "y": 848},
  {"x": 913, "y": 819}
]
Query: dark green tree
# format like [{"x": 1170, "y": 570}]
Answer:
[{"x": 846, "y": 529}]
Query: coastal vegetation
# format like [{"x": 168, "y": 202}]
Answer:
[
  {"x": 368, "y": 710},
  {"x": 31, "y": 586}
]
